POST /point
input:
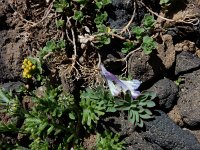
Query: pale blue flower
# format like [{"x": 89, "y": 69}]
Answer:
[{"x": 117, "y": 86}]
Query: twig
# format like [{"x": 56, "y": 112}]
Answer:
[
  {"x": 33, "y": 24},
  {"x": 99, "y": 63},
  {"x": 171, "y": 20},
  {"x": 74, "y": 43},
  {"x": 131, "y": 20}
]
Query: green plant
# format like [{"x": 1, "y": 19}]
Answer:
[
  {"x": 93, "y": 106},
  {"x": 165, "y": 2},
  {"x": 148, "y": 44},
  {"x": 46, "y": 117},
  {"x": 128, "y": 46},
  {"x": 108, "y": 141},
  {"x": 148, "y": 21},
  {"x": 60, "y": 5},
  {"x": 78, "y": 15},
  {"x": 9, "y": 103},
  {"x": 60, "y": 23},
  {"x": 52, "y": 46},
  {"x": 137, "y": 109},
  {"x": 8, "y": 127},
  {"x": 32, "y": 67},
  {"x": 102, "y": 3},
  {"x": 178, "y": 81},
  {"x": 100, "y": 18},
  {"x": 138, "y": 31},
  {"x": 39, "y": 144}
]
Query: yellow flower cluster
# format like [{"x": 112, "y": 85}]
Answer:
[{"x": 28, "y": 68}]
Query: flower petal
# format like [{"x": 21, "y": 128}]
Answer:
[
  {"x": 132, "y": 85},
  {"x": 117, "y": 86},
  {"x": 114, "y": 89},
  {"x": 135, "y": 94}
]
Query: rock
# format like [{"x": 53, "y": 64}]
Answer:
[
  {"x": 191, "y": 81},
  {"x": 120, "y": 14},
  {"x": 166, "y": 91},
  {"x": 188, "y": 104},
  {"x": 166, "y": 51},
  {"x": 175, "y": 115},
  {"x": 132, "y": 139},
  {"x": 185, "y": 62},
  {"x": 196, "y": 133},
  {"x": 11, "y": 85},
  {"x": 165, "y": 133},
  {"x": 139, "y": 67}
]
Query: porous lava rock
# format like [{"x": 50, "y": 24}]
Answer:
[
  {"x": 166, "y": 91},
  {"x": 188, "y": 104},
  {"x": 165, "y": 133},
  {"x": 185, "y": 62}
]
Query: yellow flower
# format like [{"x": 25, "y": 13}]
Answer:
[
  {"x": 23, "y": 66},
  {"x": 25, "y": 60},
  {"x": 29, "y": 62},
  {"x": 28, "y": 68},
  {"x": 108, "y": 29},
  {"x": 28, "y": 76},
  {"x": 33, "y": 67}
]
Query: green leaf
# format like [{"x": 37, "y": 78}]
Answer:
[
  {"x": 59, "y": 23},
  {"x": 100, "y": 18},
  {"x": 137, "y": 116},
  {"x": 102, "y": 3},
  {"x": 60, "y": 5},
  {"x": 128, "y": 46},
  {"x": 148, "y": 21},
  {"x": 147, "y": 111},
  {"x": 140, "y": 124},
  {"x": 111, "y": 109},
  {"x": 138, "y": 31},
  {"x": 101, "y": 28},
  {"x": 145, "y": 116},
  {"x": 72, "y": 115},
  {"x": 150, "y": 104},
  {"x": 148, "y": 44},
  {"x": 50, "y": 130},
  {"x": 78, "y": 15},
  {"x": 164, "y": 2}
]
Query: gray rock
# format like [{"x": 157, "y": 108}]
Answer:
[
  {"x": 166, "y": 91},
  {"x": 139, "y": 67},
  {"x": 132, "y": 139},
  {"x": 185, "y": 62},
  {"x": 120, "y": 13},
  {"x": 165, "y": 133},
  {"x": 191, "y": 81},
  {"x": 188, "y": 104},
  {"x": 11, "y": 85}
]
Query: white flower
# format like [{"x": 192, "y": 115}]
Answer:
[{"x": 117, "y": 86}]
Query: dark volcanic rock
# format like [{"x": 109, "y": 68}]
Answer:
[
  {"x": 139, "y": 67},
  {"x": 132, "y": 139},
  {"x": 165, "y": 133},
  {"x": 185, "y": 62},
  {"x": 189, "y": 100},
  {"x": 188, "y": 104},
  {"x": 120, "y": 13},
  {"x": 166, "y": 91}
]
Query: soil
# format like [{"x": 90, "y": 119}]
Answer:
[{"x": 25, "y": 27}]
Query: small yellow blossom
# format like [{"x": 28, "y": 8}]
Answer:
[
  {"x": 108, "y": 29},
  {"x": 28, "y": 68}
]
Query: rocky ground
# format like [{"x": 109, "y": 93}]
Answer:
[{"x": 172, "y": 71}]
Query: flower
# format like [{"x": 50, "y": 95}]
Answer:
[
  {"x": 117, "y": 86},
  {"x": 28, "y": 68}
]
